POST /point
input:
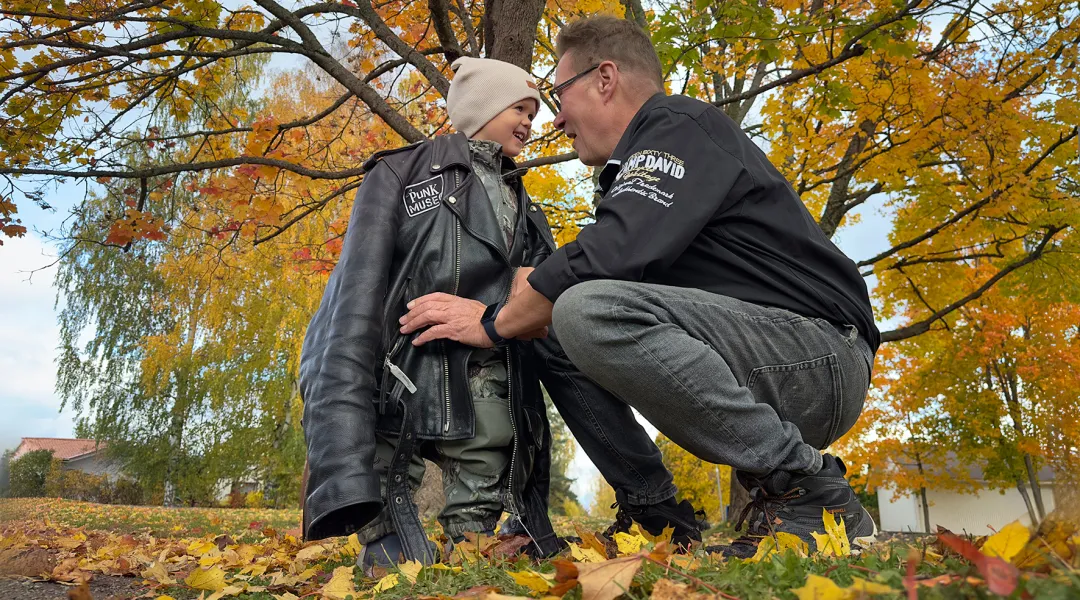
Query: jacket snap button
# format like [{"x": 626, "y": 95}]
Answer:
[
  {"x": 397, "y": 500},
  {"x": 532, "y": 208},
  {"x": 452, "y": 200},
  {"x": 435, "y": 167},
  {"x": 397, "y": 478}
]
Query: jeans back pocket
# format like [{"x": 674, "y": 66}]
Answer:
[{"x": 807, "y": 394}]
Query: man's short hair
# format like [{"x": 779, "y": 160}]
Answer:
[{"x": 596, "y": 39}]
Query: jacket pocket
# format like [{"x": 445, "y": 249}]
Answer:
[
  {"x": 394, "y": 380},
  {"x": 807, "y": 394}
]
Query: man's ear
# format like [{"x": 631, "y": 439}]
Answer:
[{"x": 608, "y": 79}]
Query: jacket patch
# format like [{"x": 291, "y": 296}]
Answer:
[
  {"x": 646, "y": 172},
  {"x": 423, "y": 196}
]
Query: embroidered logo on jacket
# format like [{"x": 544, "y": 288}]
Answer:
[
  {"x": 649, "y": 173},
  {"x": 424, "y": 196}
]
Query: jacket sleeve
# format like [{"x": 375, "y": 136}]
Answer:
[
  {"x": 673, "y": 181},
  {"x": 338, "y": 366}
]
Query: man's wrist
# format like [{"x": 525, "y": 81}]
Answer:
[{"x": 488, "y": 322}]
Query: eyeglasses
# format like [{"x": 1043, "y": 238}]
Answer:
[{"x": 555, "y": 91}]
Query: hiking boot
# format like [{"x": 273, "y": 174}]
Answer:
[
  {"x": 385, "y": 552},
  {"x": 655, "y": 517},
  {"x": 793, "y": 503}
]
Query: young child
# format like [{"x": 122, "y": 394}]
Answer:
[{"x": 445, "y": 215}]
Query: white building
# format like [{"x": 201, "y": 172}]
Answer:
[
  {"x": 979, "y": 514},
  {"x": 87, "y": 456}
]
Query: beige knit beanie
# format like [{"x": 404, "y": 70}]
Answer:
[{"x": 484, "y": 87}]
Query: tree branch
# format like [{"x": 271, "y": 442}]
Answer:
[
  {"x": 920, "y": 327},
  {"x": 440, "y": 17},
  {"x": 1062, "y": 139}
]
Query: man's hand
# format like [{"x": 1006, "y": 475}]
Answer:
[{"x": 449, "y": 317}]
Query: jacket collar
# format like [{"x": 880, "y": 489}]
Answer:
[
  {"x": 453, "y": 150},
  {"x": 448, "y": 151}
]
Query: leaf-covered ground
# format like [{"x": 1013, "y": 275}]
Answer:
[{"x": 254, "y": 554}]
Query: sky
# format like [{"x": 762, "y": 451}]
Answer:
[{"x": 29, "y": 333}]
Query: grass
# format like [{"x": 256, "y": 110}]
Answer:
[
  {"x": 178, "y": 531},
  {"x": 244, "y": 524}
]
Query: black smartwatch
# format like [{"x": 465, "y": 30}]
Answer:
[{"x": 488, "y": 321}]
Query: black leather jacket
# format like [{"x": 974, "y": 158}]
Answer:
[{"x": 421, "y": 223}]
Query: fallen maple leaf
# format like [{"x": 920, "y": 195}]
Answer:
[
  {"x": 779, "y": 543},
  {"x": 1001, "y": 577},
  {"x": 386, "y": 583},
  {"x": 608, "y": 579},
  {"x": 1051, "y": 540},
  {"x": 834, "y": 542},
  {"x": 352, "y": 546},
  {"x": 536, "y": 582},
  {"x": 68, "y": 571},
  {"x": 589, "y": 540},
  {"x": 311, "y": 553},
  {"x": 1008, "y": 542},
  {"x": 229, "y": 590},
  {"x": 157, "y": 572},
  {"x": 629, "y": 544},
  {"x": 586, "y": 555},
  {"x": 340, "y": 585},
  {"x": 664, "y": 537},
  {"x": 410, "y": 569},
  {"x": 510, "y": 546},
  {"x": 212, "y": 579}
]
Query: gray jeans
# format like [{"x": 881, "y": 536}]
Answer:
[{"x": 757, "y": 388}]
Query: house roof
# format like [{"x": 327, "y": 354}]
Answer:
[
  {"x": 954, "y": 467},
  {"x": 63, "y": 448}
]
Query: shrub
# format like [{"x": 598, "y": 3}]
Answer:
[
  {"x": 255, "y": 500},
  {"x": 28, "y": 474}
]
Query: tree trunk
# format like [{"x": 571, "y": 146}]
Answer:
[
  {"x": 1011, "y": 389},
  {"x": 1027, "y": 501},
  {"x": 925, "y": 509},
  {"x": 176, "y": 432},
  {"x": 740, "y": 497},
  {"x": 1036, "y": 489},
  {"x": 514, "y": 30}
]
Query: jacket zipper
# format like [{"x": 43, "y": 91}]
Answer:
[
  {"x": 510, "y": 407},
  {"x": 457, "y": 281},
  {"x": 390, "y": 367}
]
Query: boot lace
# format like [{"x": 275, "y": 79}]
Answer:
[
  {"x": 623, "y": 521},
  {"x": 762, "y": 510}
]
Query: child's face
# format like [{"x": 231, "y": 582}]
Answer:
[{"x": 511, "y": 127}]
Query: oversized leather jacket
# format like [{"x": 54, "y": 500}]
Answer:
[{"x": 421, "y": 223}]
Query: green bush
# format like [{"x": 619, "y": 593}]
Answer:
[
  {"x": 28, "y": 474},
  {"x": 77, "y": 485},
  {"x": 255, "y": 500}
]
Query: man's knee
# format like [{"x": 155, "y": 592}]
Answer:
[{"x": 581, "y": 310}]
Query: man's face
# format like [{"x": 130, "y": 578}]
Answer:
[{"x": 581, "y": 116}]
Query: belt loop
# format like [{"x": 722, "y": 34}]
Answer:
[{"x": 852, "y": 335}]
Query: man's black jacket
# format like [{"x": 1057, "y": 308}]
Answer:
[
  {"x": 421, "y": 223},
  {"x": 690, "y": 201}
]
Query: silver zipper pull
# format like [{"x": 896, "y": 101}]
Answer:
[{"x": 401, "y": 376}]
